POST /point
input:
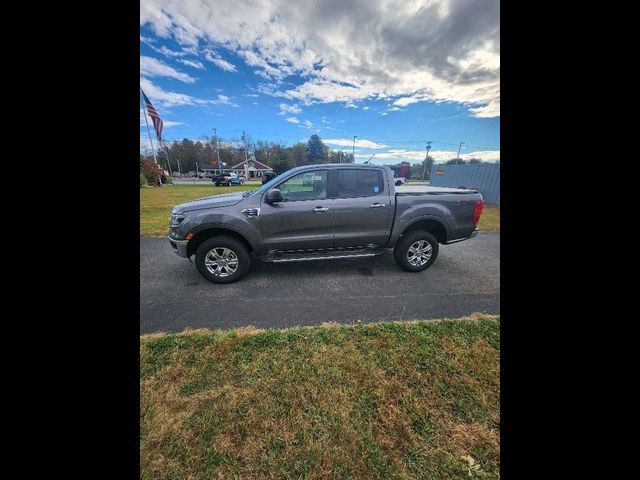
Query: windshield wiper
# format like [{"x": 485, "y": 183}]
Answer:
[{"x": 246, "y": 194}]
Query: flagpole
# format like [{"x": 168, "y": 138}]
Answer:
[{"x": 144, "y": 108}]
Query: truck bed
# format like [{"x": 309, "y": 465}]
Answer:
[{"x": 427, "y": 190}]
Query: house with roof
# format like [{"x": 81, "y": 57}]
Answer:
[{"x": 255, "y": 169}]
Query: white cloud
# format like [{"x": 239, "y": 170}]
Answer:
[
  {"x": 366, "y": 108},
  {"x": 217, "y": 60},
  {"x": 224, "y": 65},
  {"x": 488, "y": 111},
  {"x": 307, "y": 124},
  {"x": 404, "y": 101},
  {"x": 414, "y": 156},
  {"x": 224, "y": 100},
  {"x": 293, "y": 120},
  {"x": 152, "y": 67},
  {"x": 160, "y": 96},
  {"x": 360, "y": 142},
  {"x": 384, "y": 113},
  {"x": 289, "y": 109},
  {"x": 192, "y": 63},
  {"x": 410, "y": 51}
]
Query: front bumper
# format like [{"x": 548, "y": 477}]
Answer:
[{"x": 179, "y": 246}]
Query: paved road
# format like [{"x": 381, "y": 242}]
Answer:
[{"x": 464, "y": 279}]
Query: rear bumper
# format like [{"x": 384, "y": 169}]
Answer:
[
  {"x": 473, "y": 234},
  {"x": 179, "y": 246}
]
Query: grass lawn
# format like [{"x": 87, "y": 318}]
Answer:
[
  {"x": 156, "y": 203},
  {"x": 490, "y": 219},
  {"x": 382, "y": 401}
]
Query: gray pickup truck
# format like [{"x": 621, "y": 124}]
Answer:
[{"x": 318, "y": 212}]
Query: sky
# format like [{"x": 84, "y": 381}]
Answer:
[{"x": 393, "y": 73}]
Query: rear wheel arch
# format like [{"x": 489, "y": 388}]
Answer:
[{"x": 431, "y": 225}]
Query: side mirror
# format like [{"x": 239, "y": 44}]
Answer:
[{"x": 273, "y": 196}]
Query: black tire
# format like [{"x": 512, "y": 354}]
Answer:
[
  {"x": 229, "y": 183},
  {"x": 239, "y": 250},
  {"x": 406, "y": 241},
  {"x": 217, "y": 184}
]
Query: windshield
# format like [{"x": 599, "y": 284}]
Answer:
[{"x": 265, "y": 187}]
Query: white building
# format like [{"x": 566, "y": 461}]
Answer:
[{"x": 255, "y": 169}]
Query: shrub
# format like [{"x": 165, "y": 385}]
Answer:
[
  {"x": 143, "y": 180},
  {"x": 170, "y": 180},
  {"x": 151, "y": 170}
]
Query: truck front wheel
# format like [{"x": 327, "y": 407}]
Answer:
[
  {"x": 416, "y": 251},
  {"x": 222, "y": 259}
]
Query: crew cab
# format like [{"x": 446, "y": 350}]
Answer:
[{"x": 319, "y": 212}]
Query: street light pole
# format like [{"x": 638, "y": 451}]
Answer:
[
  {"x": 246, "y": 157},
  {"x": 426, "y": 159},
  {"x": 459, "y": 147},
  {"x": 353, "y": 151},
  {"x": 215, "y": 132}
]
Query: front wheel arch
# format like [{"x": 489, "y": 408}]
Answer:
[{"x": 203, "y": 235}]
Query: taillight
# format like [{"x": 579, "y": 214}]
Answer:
[{"x": 477, "y": 211}]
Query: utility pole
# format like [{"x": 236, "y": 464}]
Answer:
[
  {"x": 246, "y": 157},
  {"x": 353, "y": 151},
  {"x": 426, "y": 159},
  {"x": 215, "y": 132},
  {"x": 459, "y": 147}
]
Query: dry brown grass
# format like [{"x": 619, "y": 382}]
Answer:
[{"x": 390, "y": 400}]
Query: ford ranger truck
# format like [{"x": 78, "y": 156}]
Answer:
[{"x": 322, "y": 212}]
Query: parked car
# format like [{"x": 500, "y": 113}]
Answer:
[
  {"x": 268, "y": 176},
  {"x": 227, "y": 179},
  {"x": 318, "y": 212}
]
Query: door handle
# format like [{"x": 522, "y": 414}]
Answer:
[
  {"x": 321, "y": 209},
  {"x": 377, "y": 205}
]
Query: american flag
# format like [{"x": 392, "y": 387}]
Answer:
[{"x": 155, "y": 117}]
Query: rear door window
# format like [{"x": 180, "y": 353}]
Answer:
[{"x": 359, "y": 183}]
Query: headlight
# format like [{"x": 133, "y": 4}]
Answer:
[{"x": 176, "y": 219}]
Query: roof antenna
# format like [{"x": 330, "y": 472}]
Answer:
[{"x": 370, "y": 158}]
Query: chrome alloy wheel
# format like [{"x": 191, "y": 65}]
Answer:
[
  {"x": 419, "y": 253},
  {"x": 221, "y": 261}
]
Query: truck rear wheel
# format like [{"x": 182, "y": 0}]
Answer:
[
  {"x": 222, "y": 259},
  {"x": 416, "y": 251}
]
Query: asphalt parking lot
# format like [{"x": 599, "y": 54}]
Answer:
[{"x": 173, "y": 296}]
